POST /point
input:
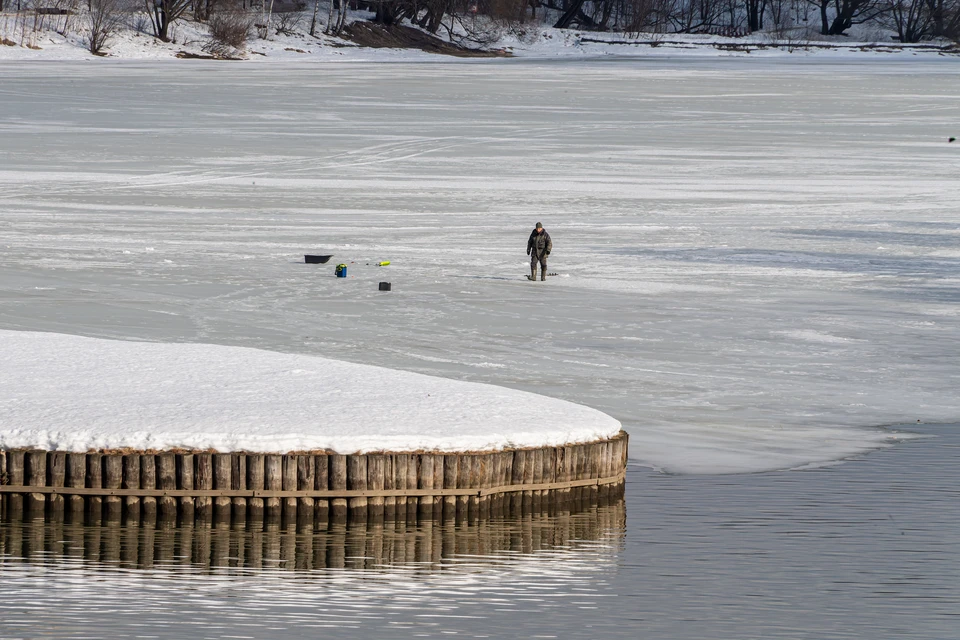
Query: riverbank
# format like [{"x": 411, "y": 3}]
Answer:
[{"x": 364, "y": 41}]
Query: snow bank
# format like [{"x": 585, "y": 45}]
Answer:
[{"x": 62, "y": 392}]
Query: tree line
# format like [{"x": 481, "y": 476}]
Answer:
[{"x": 912, "y": 20}]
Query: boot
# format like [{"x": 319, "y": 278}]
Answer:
[
  {"x": 533, "y": 273},
  {"x": 543, "y": 273}
]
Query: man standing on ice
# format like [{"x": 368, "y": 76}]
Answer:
[{"x": 539, "y": 247}]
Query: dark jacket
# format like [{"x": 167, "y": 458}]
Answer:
[{"x": 539, "y": 245}]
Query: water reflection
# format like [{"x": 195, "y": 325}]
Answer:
[{"x": 271, "y": 546}]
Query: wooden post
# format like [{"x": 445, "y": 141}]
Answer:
[
  {"x": 36, "y": 472},
  {"x": 255, "y": 481},
  {"x": 223, "y": 479},
  {"x": 613, "y": 469},
  {"x": 306, "y": 481},
  {"x": 537, "y": 474},
  {"x": 496, "y": 473},
  {"x": 463, "y": 480},
  {"x": 602, "y": 449},
  {"x": 289, "y": 484},
  {"x": 545, "y": 459},
  {"x": 4, "y": 479},
  {"x": 273, "y": 473},
  {"x": 451, "y": 468},
  {"x": 238, "y": 482},
  {"x": 57, "y": 477},
  {"x": 438, "y": 474},
  {"x": 131, "y": 480},
  {"x": 148, "y": 480},
  {"x": 529, "y": 464},
  {"x": 357, "y": 480},
  {"x": 94, "y": 480},
  {"x": 506, "y": 478},
  {"x": 473, "y": 482},
  {"x": 186, "y": 479},
  {"x": 321, "y": 506},
  {"x": 486, "y": 481},
  {"x": 375, "y": 481},
  {"x": 338, "y": 480},
  {"x": 203, "y": 479},
  {"x": 400, "y": 462},
  {"x": 425, "y": 481},
  {"x": 113, "y": 479},
  {"x": 390, "y": 463},
  {"x": 167, "y": 481},
  {"x": 575, "y": 475},
  {"x": 594, "y": 471},
  {"x": 15, "y": 475},
  {"x": 567, "y": 473},
  {"x": 516, "y": 477},
  {"x": 77, "y": 478},
  {"x": 624, "y": 444},
  {"x": 413, "y": 479}
]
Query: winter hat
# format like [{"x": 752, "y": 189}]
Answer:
[{"x": 539, "y": 226}]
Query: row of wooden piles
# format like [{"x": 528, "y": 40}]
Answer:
[
  {"x": 501, "y": 473},
  {"x": 353, "y": 546}
]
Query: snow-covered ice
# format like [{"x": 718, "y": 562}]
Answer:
[
  {"x": 71, "y": 393},
  {"x": 759, "y": 258}
]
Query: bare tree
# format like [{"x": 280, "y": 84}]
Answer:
[
  {"x": 911, "y": 19},
  {"x": 780, "y": 18},
  {"x": 164, "y": 13},
  {"x": 105, "y": 18},
  {"x": 755, "y": 10},
  {"x": 945, "y": 15},
  {"x": 850, "y": 12},
  {"x": 313, "y": 20}
]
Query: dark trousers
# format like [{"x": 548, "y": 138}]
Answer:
[{"x": 534, "y": 259}]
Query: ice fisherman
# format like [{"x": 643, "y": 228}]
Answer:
[{"x": 539, "y": 247}]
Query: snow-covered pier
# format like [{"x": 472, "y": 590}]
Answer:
[{"x": 147, "y": 430}]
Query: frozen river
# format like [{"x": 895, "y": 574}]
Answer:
[{"x": 758, "y": 260}]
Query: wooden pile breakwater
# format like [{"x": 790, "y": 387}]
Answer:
[{"x": 312, "y": 487}]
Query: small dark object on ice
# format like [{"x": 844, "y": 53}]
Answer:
[
  {"x": 951, "y": 139},
  {"x": 317, "y": 259},
  {"x": 384, "y": 286}
]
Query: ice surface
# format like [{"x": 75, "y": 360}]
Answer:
[
  {"x": 760, "y": 258},
  {"x": 71, "y": 393}
]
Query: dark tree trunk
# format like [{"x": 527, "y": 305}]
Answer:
[
  {"x": 843, "y": 20},
  {"x": 387, "y": 13},
  {"x": 162, "y": 24},
  {"x": 567, "y": 18},
  {"x": 754, "y": 15}
]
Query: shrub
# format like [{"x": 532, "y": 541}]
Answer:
[{"x": 229, "y": 31}]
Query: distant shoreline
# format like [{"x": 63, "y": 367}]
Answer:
[{"x": 368, "y": 42}]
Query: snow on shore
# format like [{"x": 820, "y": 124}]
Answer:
[
  {"x": 534, "y": 42},
  {"x": 69, "y": 393}
]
